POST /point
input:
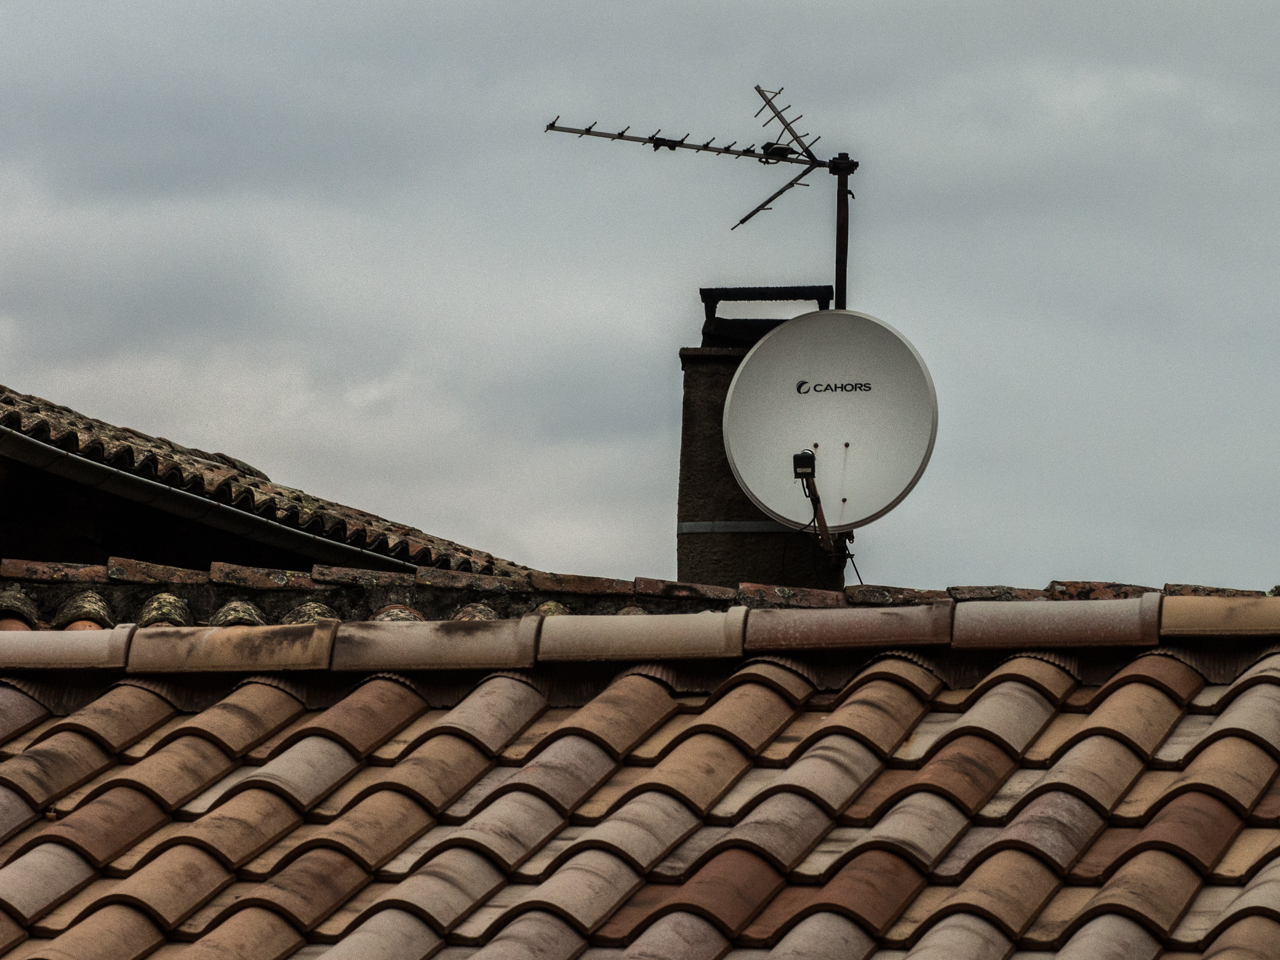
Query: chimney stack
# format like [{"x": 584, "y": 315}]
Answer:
[{"x": 722, "y": 537}]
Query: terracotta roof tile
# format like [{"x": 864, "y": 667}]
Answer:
[
  {"x": 1098, "y": 769},
  {"x": 53, "y": 767},
  {"x": 1154, "y": 888},
  {"x": 173, "y": 774},
  {"x": 240, "y": 721},
  {"x": 1250, "y": 937},
  {"x": 1137, "y": 714},
  {"x": 873, "y": 889},
  {"x": 107, "y": 826},
  {"x": 252, "y": 934},
  {"x": 880, "y": 713},
  {"x": 728, "y": 891},
  {"x": 620, "y": 717},
  {"x": 387, "y": 933},
  {"x": 699, "y": 771},
  {"x": 116, "y": 932},
  {"x": 962, "y": 935},
  {"x": 1234, "y": 770},
  {"x": 18, "y": 713},
  {"x": 1167, "y": 674},
  {"x": 302, "y": 774},
  {"x": 679, "y": 936},
  {"x": 1008, "y": 889},
  {"x": 445, "y": 890},
  {"x": 15, "y": 813},
  {"x": 364, "y": 719},
  {"x": 435, "y": 774},
  {"x": 749, "y": 715},
  {"x": 824, "y": 936},
  {"x": 508, "y": 829},
  {"x": 493, "y": 714},
  {"x": 173, "y": 885},
  {"x": 1111, "y": 936},
  {"x": 533, "y": 936}
]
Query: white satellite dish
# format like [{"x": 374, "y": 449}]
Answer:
[{"x": 848, "y": 387}]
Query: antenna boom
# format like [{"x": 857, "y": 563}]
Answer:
[{"x": 659, "y": 142}]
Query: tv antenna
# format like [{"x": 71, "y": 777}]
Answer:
[{"x": 788, "y": 147}]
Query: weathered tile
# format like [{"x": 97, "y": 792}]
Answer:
[
  {"x": 494, "y": 713},
  {"x": 782, "y": 829},
  {"x": 510, "y": 828},
  {"x": 962, "y": 935},
  {"x": 564, "y": 773},
  {"x": 1249, "y": 937},
  {"x": 698, "y": 771},
  {"x": 116, "y": 719},
  {"x": 18, "y": 713},
  {"x": 241, "y": 720},
  {"x": 15, "y": 813},
  {"x": 873, "y": 888},
  {"x": 900, "y": 670},
  {"x": 1008, "y": 889},
  {"x": 1202, "y": 916},
  {"x": 250, "y": 934},
  {"x": 824, "y": 936},
  {"x": 622, "y": 716},
  {"x": 53, "y": 767},
  {"x": 880, "y": 713},
  {"x": 40, "y": 879},
  {"x": 1254, "y": 714},
  {"x": 115, "y": 932},
  {"x": 1234, "y": 770},
  {"x": 446, "y": 890},
  {"x": 1136, "y": 714},
  {"x": 1168, "y": 674},
  {"x": 174, "y": 885},
  {"x": 174, "y": 774},
  {"x": 363, "y": 719},
  {"x": 679, "y": 936},
  {"x": 1099, "y": 770},
  {"x": 1111, "y": 937},
  {"x": 643, "y": 830},
  {"x": 533, "y": 936},
  {"x": 583, "y": 892},
  {"x": 105, "y": 827},
  {"x": 788, "y": 682},
  {"x": 1252, "y": 848},
  {"x": 435, "y": 774},
  {"x": 1154, "y": 885},
  {"x": 1055, "y": 826},
  {"x": 748, "y": 715}
]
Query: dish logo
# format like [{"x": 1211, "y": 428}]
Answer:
[{"x": 804, "y": 386}]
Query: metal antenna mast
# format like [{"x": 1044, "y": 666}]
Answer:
[{"x": 788, "y": 147}]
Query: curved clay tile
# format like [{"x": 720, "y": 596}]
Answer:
[
  {"x": 642, "y": 831},
  {"x": 107, "y": 826},
  {"x": 782, "y": 829},
  {"x": 364, "y": 719},
  {"x": 14, "y": 814},
  {"x": 678, "y": 936},
  {"x": 564, "y": 773},
  {"x": 880, "y": 713},
  {"x": 53, "y": 768},
  {"x": 1255, "y": 715},
  {"x": 728, "y": 891},
  {"x": 238, "y": 613},
  {"x": 1008, "y": 889},
  {"x": 830, "y": 773},
  {"x": 18, "y": 713},
  {"x": 1252, "y": 938},
  {"x": 1252, "y": 849},
  {"x": 116, "y": 932},
  {"x": 621, "y": 716},
  {"x": 435, "y": 774},
  {"x": 1099, "y": 770},
  {"x": 173, "y": 774},
  {"x": 40, "y": 879},
  {"x": 509, "y": 828},
  {"x": 172, "y": 886},
  {"x": 236, "y": 831},
  {"x": 446, "y": 890},
  {"x": 1009, "y": 714},
  {"x": 1195, "y": 826},
  {"x": 1154, "y": 888},
  {"x": 873, "y": 889},
  {"x": 374, "y": 830},
  {"x": 663, "y": 740},
  {"x": 921, "y": 828},
  {"x": 493, "y": 714},
  {"x": 307, "y": 890},
  {"x": 968, "y": 771},
  {"x": 789, "y": 683},
  {"x": 1055, "y": 826},
  {"x": 119, "y": 717},
  {"x": 749, "y": 715},
  {"x": 679, "y": 865},
  {"x": 240, "y": 721},
  {"x": 87, "y": 609},
  {"x": 1050, "y": 680},
  {"x": 1111, "y": 937},
  {"x": 252, "y": 934},
  {"x": 1185, "y": 738},
  {"x": 583, "y": 892},
  {"x": 824, "y": 936},
  {"x": 1136, "y": 714},
  {"x": 962, "y": 935},
  {"x": 1260, "y": 896},
  {"x": 397, "y": 613},
  {"x": 1163, "y": 672},
  {"x": 911, "y": 675},
  {"x": 164, "y": 609},
  {"x": 388, "y": 933},
  {"x": 15, "y": 605},
  {"x": 699, "y": 771},
  {"x": 1235, "y": 771},
  {"x": 303, "y": 774},
  {"x": 533, "y": 936}
]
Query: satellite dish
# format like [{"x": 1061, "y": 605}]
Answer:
[{"x": 848, "y": 387}]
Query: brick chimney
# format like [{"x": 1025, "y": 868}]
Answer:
[{"x": 721, "y": 536}]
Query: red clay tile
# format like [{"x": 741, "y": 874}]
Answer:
[
  {"x": 1267, "y": 810},
  {"x": 435, "y": 774},
  {"x": 460, "y": 580},
  {"x": 728, "y": 891},
  {"x": 642, "y": 831},
  {"x": 174, "y": 885},
  {"x": 36, "y": 882},
  {"x": 173, "y": 774},
  {"x": 252, "y": 934},
  {"x": 915, "y": 626},
  {"x": 311, "y": 887},
  {"x": 385, "y": 933},
  {"x": 1247, "y": 939},
  {"x": 1051, "y": 681},
  {"x": 920, "y": 828},
  {"x": 1196, "y": 826},
  {"x": 139, "y": 571},
  {"x": 1099, "y": 770},
  {"x": 912, "y": 676},
  {"x": 304, "y": 773},
  {"x": 785, "y": 677},
  {"x": 361, "y": 578},
  {"x": 243, "y": 719},
  {"x": 873, "y": 888},
  {"x": 698, "y": 771},
  {"x": 1235, "y": 771},
  {"x": 1010, "y": 714},
  {"x": 116, "y": 932},
  {"x": 967, "y": 771},
  {"x": 108, "y": 825},
  {"x": 1255, "y": 714},
  {"x": 1007, "y": 889},
  {"x": 1167, "y": 674},
  {"x": 1055, "y": 826},
  {"x": 1153, "y": 888},
  {"x": 1137, "y": 715},
  {"x": 749, "y": 715},
  {"x": 18, "y": 713},
  {"x": 782, "y": 830},
  {"x": 53, "y": 767},
  {"x": 508, "y": 829},
  {"x": 880, "y": 713},
  {"x": 121, "y": 716},
  {"x": 830, "y": 773},
  {"x": 620, "y": 717},
  {"x": 375, "y": 829},
  {"x": 646, "y": 586},
  {"x": 239, "y": 829},
  {"x": 365, "y": 718},
  {"x": 52, "y": 572},
  {"x": 11, "y": 934}
]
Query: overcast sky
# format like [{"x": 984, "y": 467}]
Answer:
[{"x": 333, "y": 239}]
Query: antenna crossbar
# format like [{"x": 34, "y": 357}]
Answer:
[
  {"x": 794, "y": 182},
  {"x": 764, "y": 154}
]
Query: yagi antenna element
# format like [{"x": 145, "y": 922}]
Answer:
[{"x": 789, "y": 146}]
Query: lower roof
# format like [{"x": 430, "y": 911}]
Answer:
[{"x": 973, "y": 779}]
